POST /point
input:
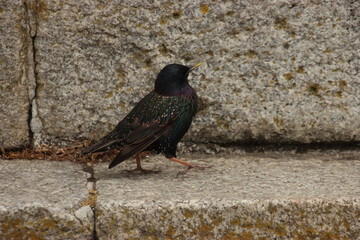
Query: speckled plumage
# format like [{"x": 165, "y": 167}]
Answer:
[{"x": 157, "y": 122}]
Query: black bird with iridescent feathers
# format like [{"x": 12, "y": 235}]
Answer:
[{"x": 157, "y": 122}]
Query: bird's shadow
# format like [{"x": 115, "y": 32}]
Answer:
[
  {"x": 122, "y": 174},
  {"x": 165, "y": 172}
]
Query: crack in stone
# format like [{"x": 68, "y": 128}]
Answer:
[
  {"x": 91, "y": 184},
  {"x": 34, "y": 122}
]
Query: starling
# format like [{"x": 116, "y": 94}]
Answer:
[{"x": 157, "y": 122}]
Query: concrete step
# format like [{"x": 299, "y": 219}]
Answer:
[
  {"x": 247, "y": 196},
  {"x": 44, "y": 200}
]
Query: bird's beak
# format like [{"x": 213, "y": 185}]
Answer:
[{"x": 193, "y": 67}]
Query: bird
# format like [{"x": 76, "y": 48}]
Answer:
[{"x": 156, "y": 123}]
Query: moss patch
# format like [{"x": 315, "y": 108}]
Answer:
[{"x": 204, "y": 9}]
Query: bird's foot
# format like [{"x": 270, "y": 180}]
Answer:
[
  {"x": 141, "y": 170},
  {"x": 191, "y": 167}
]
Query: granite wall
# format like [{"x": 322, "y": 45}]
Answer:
[
  {"x": 275, "y": 71},
  {"x": 17, "y": 82}
]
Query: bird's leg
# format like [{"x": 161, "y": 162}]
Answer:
[
  {"x": 189, "y": 165},
  {"x": 139, "y": 168}
]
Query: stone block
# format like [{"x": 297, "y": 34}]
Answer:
[
  {"x": 276, "y": 71},
  {"x": 44, "y": 200},
  {"x": 15, "y": 71},
  {"x": 253, "y": 196}
]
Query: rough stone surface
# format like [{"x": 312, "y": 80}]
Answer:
[
  {"x": 276, "y": 71},
  {"x": 15, "y": 72},
  {"x": 271, "y": 196},
  {"x": 43, "y": 200}
]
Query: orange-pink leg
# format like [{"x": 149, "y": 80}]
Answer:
[
  {"x": 189, "y": 165},
  {"x": 139, "y": 168}
]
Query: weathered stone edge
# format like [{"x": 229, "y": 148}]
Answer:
[{"x": 244, "y": 219}]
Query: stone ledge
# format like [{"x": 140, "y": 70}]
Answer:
[
  {"x": 245, "y": 196},
  {"x": 242, "y": 219},
  {"x": 43, "y": 200},
  {"x": 276, "y": 196}
]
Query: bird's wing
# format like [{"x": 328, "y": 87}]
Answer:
[
  {"x": 116, "y": 137},
  {"x": 142, "y": 137}
]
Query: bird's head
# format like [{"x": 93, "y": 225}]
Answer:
[{"x": 172, "y": 80}]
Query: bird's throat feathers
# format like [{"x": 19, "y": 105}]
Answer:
[{"x": 186, "y": 91}]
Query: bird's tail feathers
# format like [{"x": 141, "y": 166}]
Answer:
[{"x": 100, "y": 146}]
